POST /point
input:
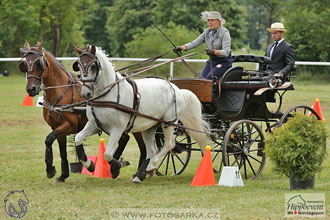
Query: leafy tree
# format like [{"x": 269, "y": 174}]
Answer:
[
  {"x": 308, "y": 27},
  {"x": 257, "y": 22},
  {"x": 150, "y": 42},
  {"x": 17, "y": 19},
  {"x": 95, "y": 23},
  {"x": 133, "y": 17},
  {"x": 126, "y": 18},
  {"x": 61, "y": 23}
]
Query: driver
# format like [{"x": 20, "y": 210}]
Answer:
[{"x": 218, "y": 43}]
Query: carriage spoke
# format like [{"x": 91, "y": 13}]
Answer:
[
  {"x": 173, "y": 163},
  {"x": 179, "y": 159},
  {"x": 236, "y": 159},
  {"x": 245, "y": 172},
  {"x": 251, "y": 166},
  {"x": 255, "y": 159},
  {"x": 160, "y": 164},
  {"x": 167, "y": 163}
]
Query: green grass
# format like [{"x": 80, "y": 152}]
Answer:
[{"x": 22, "y": 167}]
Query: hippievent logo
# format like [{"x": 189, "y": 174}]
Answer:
[{"x": 304, "y": 205}]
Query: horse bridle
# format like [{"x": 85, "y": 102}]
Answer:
[
  {"x": 84, "y": 68},
  {"x": 27, "y": 66}
]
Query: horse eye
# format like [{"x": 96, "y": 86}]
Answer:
[{"x": 93, "y": 68}]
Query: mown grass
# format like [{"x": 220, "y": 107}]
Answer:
[{"x": 22, "y": 167}]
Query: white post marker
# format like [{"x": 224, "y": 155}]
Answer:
[
  {"x": 230, "y": 176},
  {"x": 40, "y": 101}
]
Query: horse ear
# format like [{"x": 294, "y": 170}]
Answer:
[
  {"x": 93, "y": 49},
  {"x": 39, "y": 48},
  {"x": 78, "y": 49},
  {"x": 27, "y": 46}
]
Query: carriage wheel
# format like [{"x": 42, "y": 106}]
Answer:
[
  {"x": 302, "y": 109},
  {"x": 305, "y": 110},
  {"x": 243, "y": 147},
  {"x": 176, "y": 160},
  {"x": 216, "y": 154}
]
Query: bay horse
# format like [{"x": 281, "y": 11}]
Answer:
[
  {"x": 61, "y": 88},
  {"x": 111, "y": 106}
]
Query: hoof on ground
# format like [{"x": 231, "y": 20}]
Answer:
[
  {"x": 136, "y": 180},
  {"x": 51, "y": 173},
  {"x": 59, "y": 180},
  {"x": 91, "y": 167},
  {"x": 150, "y": 173}
]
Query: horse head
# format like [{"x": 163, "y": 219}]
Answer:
[
  {"x": 89, "y": 66},
  {"x": 33, "y": 64}
]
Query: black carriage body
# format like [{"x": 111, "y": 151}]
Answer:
[
  {"x": 231, "y": 107},
  {"x": 235, "y": 98}
]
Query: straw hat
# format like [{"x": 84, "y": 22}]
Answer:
[
  {"x": 212, "y": 15},
  {"x": 276, "y": 27}
]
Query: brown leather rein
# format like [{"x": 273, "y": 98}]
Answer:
[{"x": 115, "y": 105}]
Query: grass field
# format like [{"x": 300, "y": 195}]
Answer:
[{"x": 22, "y": 167}]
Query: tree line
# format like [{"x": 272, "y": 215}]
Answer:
[{"x": 126, "y": 27}]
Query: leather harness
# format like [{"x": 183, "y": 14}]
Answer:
[{"x": 110, "y": 104}]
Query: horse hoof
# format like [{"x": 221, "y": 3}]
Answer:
[
  {"x": 91, "y": 167},
  {"x": 136, "y": 180},
  {"x": 59, "y": 180},
  {"x": 51, "y": 172},
  {"x": 150, "y": 173},
  {"x": 114, "y": 168}
]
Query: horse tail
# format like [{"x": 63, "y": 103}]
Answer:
[{"x": 192, "y": 117}]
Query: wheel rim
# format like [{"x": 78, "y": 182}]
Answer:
[
  {"x": 176, "y": 160},
  {"x": 243, "y": 147},
  {"x": 305, "y": 110}
]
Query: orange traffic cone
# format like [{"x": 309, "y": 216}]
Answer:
[
  {"x": 204, "y": 175},
  {"x": 102, "y": 167},
  {"x": 28, "y": 101},
  {"x": 317, "y": 108},
  {"x": 84, "y": 170}
]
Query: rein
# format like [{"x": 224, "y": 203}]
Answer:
[
  {"x": 123, "y": 108},
  {"x": 110, "y": 86}
]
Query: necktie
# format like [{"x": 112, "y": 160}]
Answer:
[
  {"x": 273, "y": 48},
  {"x": 212, "y": 34}
]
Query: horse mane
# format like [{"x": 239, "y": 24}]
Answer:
[
  {"x": 57, "y": 62},
  {"x": 102, "y": 56}
]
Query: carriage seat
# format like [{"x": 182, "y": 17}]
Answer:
[{"x": 234, "y": 73}]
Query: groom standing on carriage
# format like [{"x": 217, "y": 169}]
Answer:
[{"x": 280, "y": 52}]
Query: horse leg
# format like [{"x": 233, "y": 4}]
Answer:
[
  {"x": 50, "y": 169},
  {"x": 149, "y": 140},
  {"x": 169, "y": 144},
  {"x": 110, "y": 151},
  {"x": 88, "y": 130},
  {"x": 64, "y": 160},
  {"x": 121, "y": 147},
  {"x": 142, "y": 147}
]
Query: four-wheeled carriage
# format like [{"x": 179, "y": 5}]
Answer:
[{"x": 236, "y": 108}]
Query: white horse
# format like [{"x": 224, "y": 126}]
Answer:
[{"x": 158, "y": 98}]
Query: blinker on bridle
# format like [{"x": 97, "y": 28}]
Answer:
[
  {"x": 27, "y": 66},
  {"x": 84, "y": 68}
]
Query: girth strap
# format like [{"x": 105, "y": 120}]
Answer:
[
  {"x": 98, "y": 123},
  {"x": 136, "y": 104}
]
